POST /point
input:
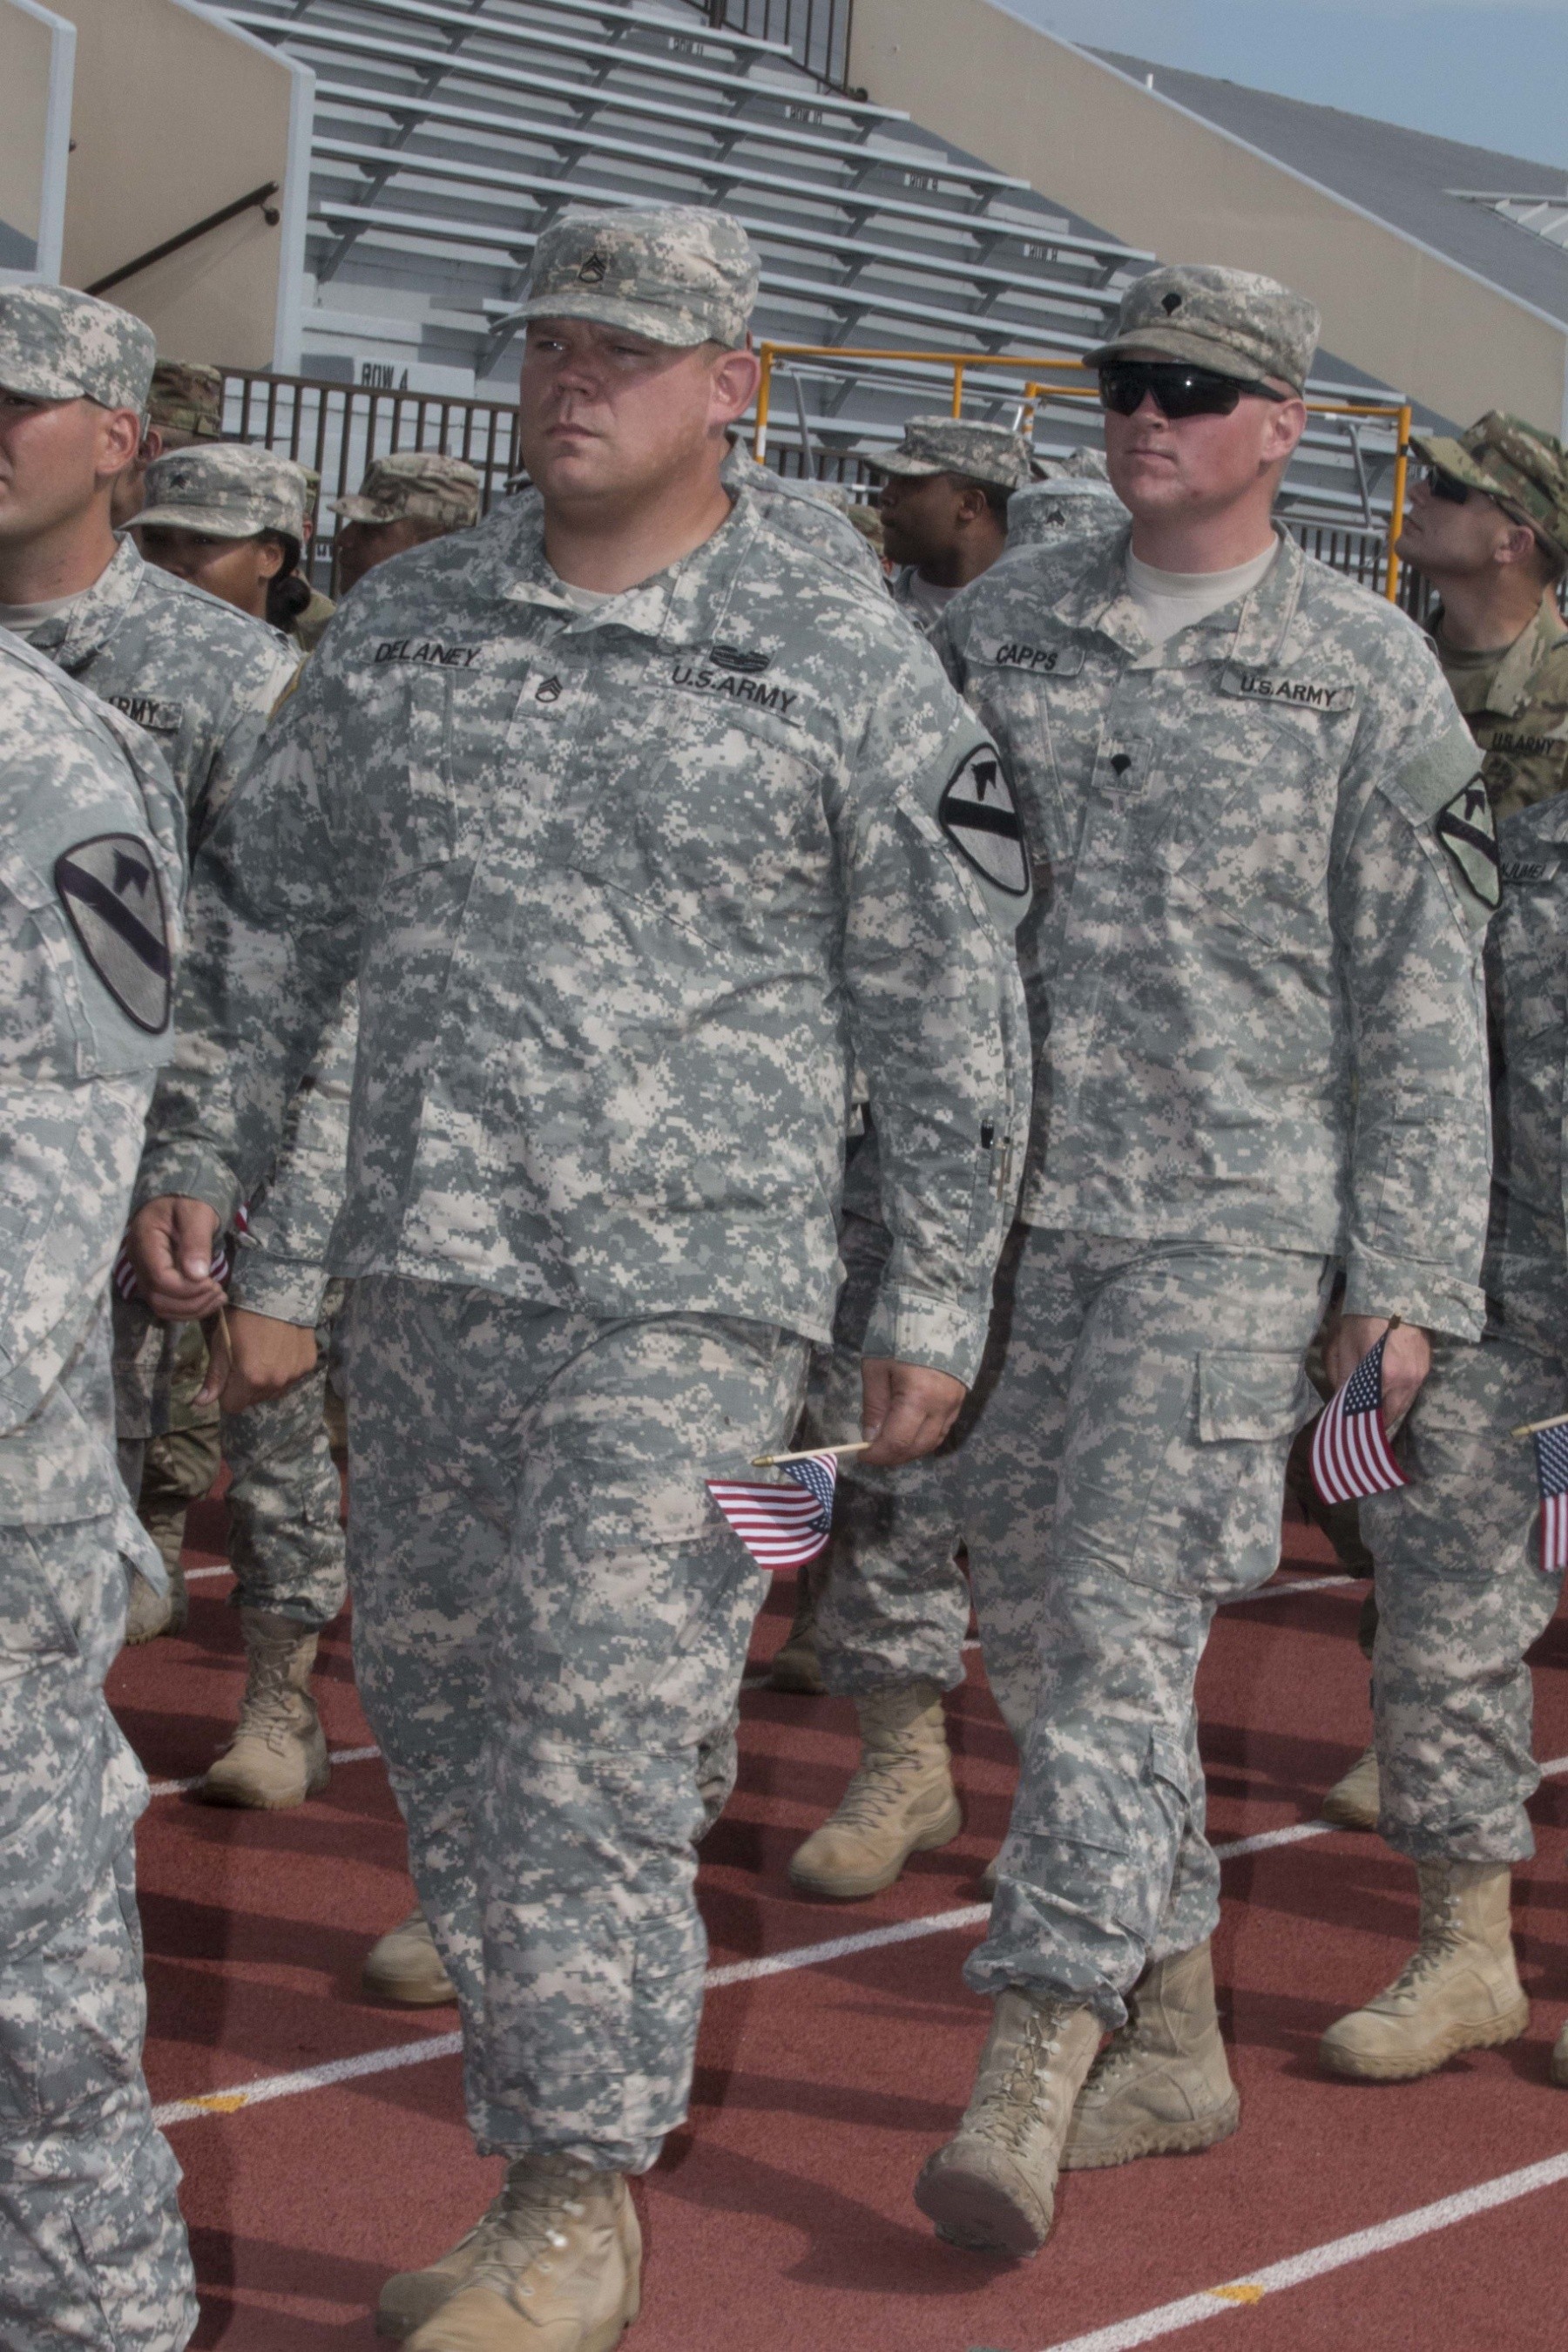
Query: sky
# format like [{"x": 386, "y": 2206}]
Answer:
[{"x": 1494, "y": 72}]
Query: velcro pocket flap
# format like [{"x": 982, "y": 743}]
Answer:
[{"x": 1252, "y": 1392}]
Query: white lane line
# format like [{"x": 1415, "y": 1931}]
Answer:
[
  {"x": 335, "y": 1755},
  {"x": 771, "y": 1964},
  {"x": 196, "y": 1575},
  {"x": 1244, "y": 2294},
  {"x": 307, "y": 2078}
]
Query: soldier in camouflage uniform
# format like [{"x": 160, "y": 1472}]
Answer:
[
  {"x": 1256, "y": 987},
  {"x": 92, "y": 2249},
  {"x": 184, "y": 404},
  {"x": 1489, "y": 528},
  {"x": 200, "y": 678},
  {"x": 945, "y": 492},
  {"x": 230, "y": 518},
  {"x": 1461, "y": 1592},
  {"x": 404, "y": 500},
  {"x": 750, "y": 840}
]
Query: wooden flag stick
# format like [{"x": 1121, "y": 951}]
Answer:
[
  {"x": 223, "y": 1328},
  {"x": 1529, "y": 1428},
  {"x": 772, "y": 1460}
]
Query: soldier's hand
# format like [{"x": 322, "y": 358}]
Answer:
[
  {"x": 171, "y": 1243},
  {"x": 907, "y": 1408},
  {"x": 263, "y": 1359},
  {"x": 1406, "y": 1361}
]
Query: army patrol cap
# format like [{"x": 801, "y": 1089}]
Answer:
[
  {"x": 57, "y": 344},
  {"x": 951, "y": 445},
  {"x": 1524, "y": 469},
  {"x": 187, "y": 397},
  {"x": 415, "y": 486},
  {"x": 1231, "y": 320},
  {"x": 228, "y": 490},
  {"x": 677, "y": 273}
]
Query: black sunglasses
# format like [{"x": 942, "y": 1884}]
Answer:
[
  {"x": 1177, "y": 389},
  {"x": 1447, "y": 487}
]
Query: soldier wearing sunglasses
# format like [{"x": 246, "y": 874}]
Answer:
[
  {"x": 1489, "y": 528},
  {"x": 1254, "y": 976}
]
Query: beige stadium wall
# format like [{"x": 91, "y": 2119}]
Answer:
[
  {"x": 175, "y": 115},
  {"x": 1147, "y": 172},
  {"x": 37, "y": 53}
]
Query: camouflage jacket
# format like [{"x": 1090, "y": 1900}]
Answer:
[
  {"x": 199, "y": 676},
  {"x": 629, "y": 894},
  {"x": 1264, "y": 863},
  {"x": 1526, "y": 1273},
  {"x": 1517, "y": 709},
  {"x": 280, "y": 1266},
  {"x": 790, "y": 507},
  {"x": 92, "y": 879}
]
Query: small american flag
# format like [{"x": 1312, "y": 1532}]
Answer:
[
  {"x": 782, "y": 1527},
  {"x": 1552, "y": 1470},
  {"x": 1350, "y": 1445}
]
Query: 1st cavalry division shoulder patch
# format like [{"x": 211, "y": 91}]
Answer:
[
  {"x": 110, "y": 889},
  {"x": 979, "y": 818},
  {"x": 1466, "y": 830}
]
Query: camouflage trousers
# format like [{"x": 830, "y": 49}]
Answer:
[
  {"x": 551, "y": 1622},
  {"x": 92, "y": 2248},
  {"x": 285, "y": 1498},
  {"x": 1121, "y": 1473},
  {"x": 892, "y": 1603},
  {"x": 1460, "y": 1599}
]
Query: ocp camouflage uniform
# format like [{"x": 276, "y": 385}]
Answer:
[
  {"x": 201, "y": 679},
  {"x": 1268, "y": 867},
  {"x": 92, "y": 2249},
  {"x": 1460, "y": 1589},
  {"x": 1516, "y": 706},
  {"x": 631, "y": 893}
]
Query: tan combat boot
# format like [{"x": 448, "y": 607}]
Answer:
[
  {"x": 277, "y": 1756},
  {"x": 554, "y": 2266},
  {"x": 992, "y": 2188},
  {"x": 795, "y": 1665},
  {"x": 150, "y": 1612},
  {"x": 901, "y": 1800},
  {"x": 1459, "y": 1990},
  {"x": 1352, "y": 1803},
  {"x": 404, "y": 1966},
  {"x": 1161, "y": 2086}
]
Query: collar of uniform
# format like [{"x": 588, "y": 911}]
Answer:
[
  {"x": 1509, "y": 691},
  {"x": 681, "y": 605},
  {"x": 1100, "y": 600},
  {"x": 70, "y": 638}
]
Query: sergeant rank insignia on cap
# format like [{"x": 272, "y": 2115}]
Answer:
[
  {"x": 596, "y": 270},
  {"x": 979, "y": 818},
  {"x": 110, "y": 889}
]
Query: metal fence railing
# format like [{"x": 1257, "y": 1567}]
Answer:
[
  {"x": 336, "y": 429},
  {"x": 817, "y": 31}
]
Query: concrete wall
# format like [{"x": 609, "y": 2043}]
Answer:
[
  {"x": 175, "y": 114},
  {"x": 1154, "y": 175},
  {"x": 37, "y": 53}
]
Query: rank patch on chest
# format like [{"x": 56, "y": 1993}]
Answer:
[
  {"x": 428, "y": 653},
  {"x": 705, "y": 677},
  {"x": 979, "y": 818},
  {"x": 1040, "y": 661},
  {"x": 1467, "y": 832},
  {"x": 1300, "y": 693},
  {"x": 113, "y": 900},
  {"x": 146, "y": 711}
]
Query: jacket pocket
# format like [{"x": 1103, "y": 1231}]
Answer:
[{"x": 1252, "y": 1393}]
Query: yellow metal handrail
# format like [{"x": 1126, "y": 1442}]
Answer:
[{"x": 1041, "y": 375}]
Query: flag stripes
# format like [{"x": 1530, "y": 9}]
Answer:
[
  {"x": 1551, "y": 1472},
  {"x": 1351, "y": 1456},
  {"x": 782, "y": 1526}
]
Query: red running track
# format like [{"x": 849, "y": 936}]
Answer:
[{"x": 781, "y": 2217}]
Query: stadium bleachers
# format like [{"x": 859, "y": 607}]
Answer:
[{"x": 446, "y": 138}]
